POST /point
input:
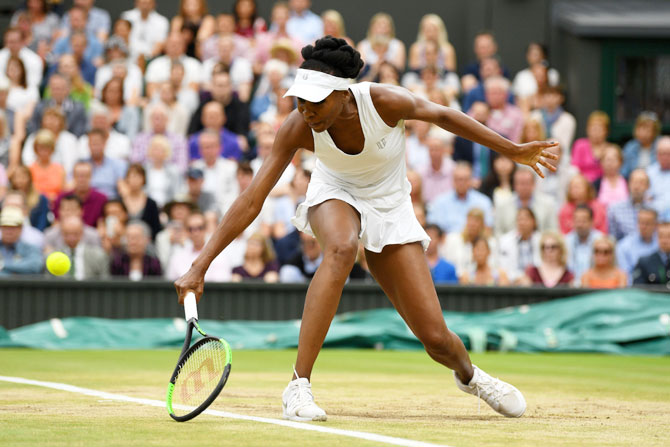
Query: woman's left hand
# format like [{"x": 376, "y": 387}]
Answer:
[{"x": 532, "y": 154}]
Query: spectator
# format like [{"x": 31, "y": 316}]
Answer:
[
  {"x": 158, "y": 118},
  {"x": 116, "y": 144},
  {"x": 579, "y": 242},
  {"x": 442, "y": 271},
  {"x": 237, "y": 113},
  {"x": 276, "y": 72},
  {"x": 449, "y": 209},
  {"x": 81, "y": 89},
  {"x": 489, "y": 68},
  {"x": 580, "y": 191},
  {"x": 21, "y": 98},
  {"x": 437, "y": 177},
  {"x": 248, "y": 23},
  {"x": 163, "y": 178},
  {"x": 587, "y": 152},
  {"x": 225, "y": 26},
  {"x": 48, "y": 176},
  {"x": 264, "y": 142},
  {"x": 504, "y": 118},
  {"x": 552, "y": 270},
  {"x": 173, "y": 236},
  {"x": 134, "y": 261},
  {"x": 640, "y": 152},
  {"x": 303, "y": 23},
  {"x": 525, "y": 84},
  {"x": 275, "y": 116},
  {"x": 158, "y": 70},
  {"x": 238, "y": 67},
  {"x": 43, "y": 25},
  {"x": 138, "y": 205},
  {"x": 87, "y": 68},
  {"x": 333, "y": 25},
  {"x": 416, "y": 151},
  {"x": 14, "y": 47},
  {"x": 92, "y": 200},
  {"x": 477, "y": 155},
  {"x": 382, "y": 30},
  {"x": 497, "y": 185},
  {"x": 612, "y": 185},
  {"x": 213, "y": 119},
  {"x": 458, "y": 246},
  {"x": 118, "y": 65},
  {"x": 655, "y": 268},
  {"x": 98, "y": 21},
  {"x": 219, "y": 172},
  {"x": 149, "y": 29},
  {"x": 302, "y": 266},
  {"x": 259, "y": 261},
  {"x": 640, "y": 243},
  {"x": 124, "y": 118},
  {"x": 7, "y": 139},
  {"x": 38, "y": 205},
  {"x": 17, "y": 257},
  {"x": 112, "y": 226},
  {"x": 431, "y": 28},
  {"x": 520, "y": 248},
  {"x": 182, "y": 258},
  {"x": 604, "y": 274},
  {"x": 69, "y": 206},
  {"x": 555, "y": 183},
  {"x": 485, "y": 46},
  {"x": 559, "y": 124},
  {"x": 78, "y": 21},
  {"x": 205, "y": 201},
  {"x": 659, "y": 172},
  {"x": 75, "y": 114},
  {"x": 481, "y": 273},
  {"x": 29, "y": 234},
  {"x": 194, "y": 23},
  {"x": 87, "y": 261},
  {"x": 280, "y": 18},
  {"x": 107, "y": 171},
  {"x": 54, "y": 121},
  {"x": 416, "y": 183},
  {"x": 622, "y": 216},
  {"x": 284, "y": 207},
  {"x": 524, "y": 195}
]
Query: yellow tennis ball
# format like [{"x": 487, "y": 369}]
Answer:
[{"x": 58, "y": 263}]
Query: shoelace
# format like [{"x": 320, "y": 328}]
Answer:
[
  {"x": 491, "y": 388},
  {"x": 304, "y": 395}
]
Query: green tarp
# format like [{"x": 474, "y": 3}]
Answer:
[{"x": 623, "y": 321}]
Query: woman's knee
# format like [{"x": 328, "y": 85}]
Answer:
[{"x": 342, "y": 250}]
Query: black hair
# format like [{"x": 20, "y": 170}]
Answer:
[
  {"x": 432, "y": 226},
  {"x": 585, "y": 207},
  {"x": 333, "y": 56},
  {"x": 72, "y": 198}
]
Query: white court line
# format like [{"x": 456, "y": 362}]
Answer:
[{"x": 157, "y": 403}]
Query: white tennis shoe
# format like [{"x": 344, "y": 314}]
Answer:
[
  {"x": 298, "y": 402},
  {"x": 501, "y": 396}
]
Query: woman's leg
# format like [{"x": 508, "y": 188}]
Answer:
[
  {"x": 403, "y": 274},
  {"x": 336, "y": 225}
]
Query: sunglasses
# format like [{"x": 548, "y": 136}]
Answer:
[
  {"x": 194, "y": 229},
  {"x": 602, "y": 251},
  {"x": 550, "y": 246}
]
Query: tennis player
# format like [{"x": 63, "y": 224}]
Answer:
[{"x": 359, "y": 190}]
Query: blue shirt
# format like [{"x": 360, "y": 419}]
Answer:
[
  {"x": 630, "y": 249},
  {"x": 449, "y": 211},
  {"x": 580, "y": 253},
  {"x": 443, "y": 272},
  {"x": 307, "y": 27},
  {"x": 229, "y": 146},
  {"x": 659, "y": 181},
  {"x": 21, "y": 258},
  {"x": 93, "y": 50},
  {"x": 106, "y": 175},
  {"x": 622, "y": 218},
  {"x": 631, "y": 156},
  {"x": 98, "y": 20}
]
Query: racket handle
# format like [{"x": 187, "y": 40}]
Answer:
[{"x": 190, "y": 307}]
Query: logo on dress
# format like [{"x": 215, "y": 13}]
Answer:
[
  {"x": 381, "y": 143},
  {"x": 305, "y": 76}
]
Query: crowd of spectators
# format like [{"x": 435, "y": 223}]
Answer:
[{"x": 124, "y": 140}]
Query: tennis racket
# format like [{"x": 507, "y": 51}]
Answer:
[{"x": 201, "y": 372}]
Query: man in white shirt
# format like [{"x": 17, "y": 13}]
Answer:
[
  {"x": 240, "y": 69},
  {"x": 159, "y": 69},
  {"x": 149, "y": 30},
  {"x": 117, "y": 146},
  {"x": 31, "y": 61},
  {"x": 220, "y": 173},
  {"x": 304, "y": 24},
  {"x": 88, "y": 261}
]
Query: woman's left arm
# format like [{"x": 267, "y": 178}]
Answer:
[{"x": 397, "y": 103}]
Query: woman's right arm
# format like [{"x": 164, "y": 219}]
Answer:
[{"x": 293, "y": 134}]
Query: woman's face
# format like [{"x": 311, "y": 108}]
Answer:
[
  {"x": 321, "y": 115},
  {"x": 596, "y": 132},
  {"x": 610, "y": 162},
  {"x": 192, "y": 7},
  {"x": 381, "y": 26},
  {"x": 135, "y": 180},
  {"x": 645, "y": 133},
  {"x": 532, "y": 132},
  {"x": 551, "y": 250},
  {"x": 474, "y": 226},
  {"x": 503, "y": 166},
  {"x": 245, "y": 8},
  {"x": 579, "y": 190},
  {"x": 43, "y": 152},
  {"x": 254, "y": 249},
  {"x": 480, "y": 252},
  {"x": 20, "y": 180},
  {"x": 330, "y": 27},
  {"x": 603, "y": 254},
  {"x": 534, "y": 54},
  {"x": 53, "y": 123},
  {"x": 430, "y": 30},
  {"x": 113, "y": 93},
  {"x": 525, "y": 223},
  {"x": 156, "y": 153}
]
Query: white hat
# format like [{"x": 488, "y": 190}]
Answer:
[
  {"x": 11, "y": 216},
  {"x": 315, "y": 86}
]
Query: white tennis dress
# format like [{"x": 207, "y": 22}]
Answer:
[{"x": 374, "y": 181}]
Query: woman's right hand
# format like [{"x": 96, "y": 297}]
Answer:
[{"x": 191, "y": 281}]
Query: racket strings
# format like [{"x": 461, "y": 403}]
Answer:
[{"x": 200, "y": 374}]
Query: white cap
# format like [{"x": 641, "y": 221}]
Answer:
[{"x": 315, "y": 86}]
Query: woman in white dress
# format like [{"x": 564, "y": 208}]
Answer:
[{"x": 359, "y": 190}]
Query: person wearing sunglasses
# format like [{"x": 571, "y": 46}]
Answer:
[
  {"x": 552, "y": 270},
  {"x": 604, "y": 274}
]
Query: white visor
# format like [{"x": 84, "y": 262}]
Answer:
[{"x": 315, "y": 86}]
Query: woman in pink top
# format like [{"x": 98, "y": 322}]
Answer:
[
  {"x": 613, "y": 187},
  {"x": 587, "y": 152},
  {"x": 581, "y": 191},
  {"x": 48, "y": 177}
]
